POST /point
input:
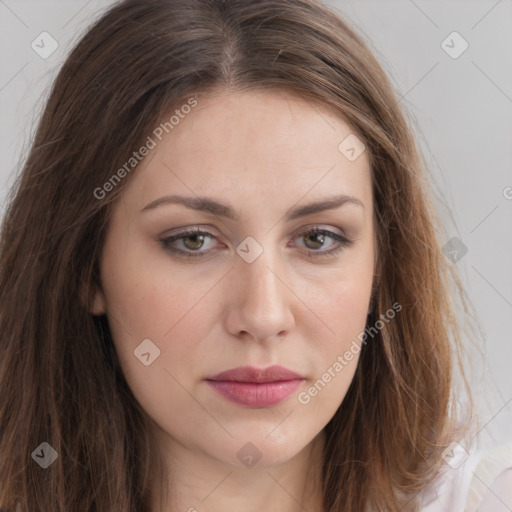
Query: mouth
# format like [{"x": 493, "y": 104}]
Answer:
[{"x": 255, "y": 387}]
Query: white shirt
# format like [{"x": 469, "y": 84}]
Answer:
[{"x": 473, "y": 482}]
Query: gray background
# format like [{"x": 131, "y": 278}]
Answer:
[{"x": 461, "y": 110}]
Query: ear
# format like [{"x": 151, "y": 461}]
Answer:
[{"x": 99, "y": 304}]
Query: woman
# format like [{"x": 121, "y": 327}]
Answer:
[{"x": 222, "y": 285}]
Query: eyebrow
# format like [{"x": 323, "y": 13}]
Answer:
[{"x": 207, "y": 204}]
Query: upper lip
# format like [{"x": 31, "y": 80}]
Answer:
[{"x": 256, "y": 375}]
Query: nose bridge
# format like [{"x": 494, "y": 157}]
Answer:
[
  {"x": 262, "y": 287},
  {"x": 262, "y": 301}
]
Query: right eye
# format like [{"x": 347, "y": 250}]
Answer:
[{"x": 191, "y": 242}]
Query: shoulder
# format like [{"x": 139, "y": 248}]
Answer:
[
  {"x": 473, "y": 482},
  {"x": 491, "y": 484}
]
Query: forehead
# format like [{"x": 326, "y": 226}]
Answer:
[{"x": 252, "y": 147}]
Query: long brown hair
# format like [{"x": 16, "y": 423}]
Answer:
[{"x": 59, "y": 376}]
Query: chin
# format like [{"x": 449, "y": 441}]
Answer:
[{"x": 263, "y": 450}]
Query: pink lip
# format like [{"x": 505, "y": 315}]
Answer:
[{"x": 256, "y": 387}]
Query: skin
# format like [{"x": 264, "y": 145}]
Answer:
[{"x": 262, "y": 154}]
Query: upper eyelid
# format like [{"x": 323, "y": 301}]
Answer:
[
  {"x": 204, "y": 231},
  {"x": 209, "y": 230}
]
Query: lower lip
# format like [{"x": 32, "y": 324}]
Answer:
[{"x": 253, "y": 394}]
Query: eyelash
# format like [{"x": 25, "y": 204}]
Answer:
[{"x": 166, "y": 243}]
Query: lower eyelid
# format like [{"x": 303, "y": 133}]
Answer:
[
  {"x": 334, "y": 237},
  {"x": 166, "y": 242},
  {"x": 341, "y": 241}
]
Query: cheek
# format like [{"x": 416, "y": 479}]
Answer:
[
  {"x": 146, "y": 294},
  {"x": 158, "y": 327},
  {"x": 334, "y": 357},
  {"x": 341, "y": 297},
  {"x": 149, "y": 300},
  {"x": 341, "y": 303}
]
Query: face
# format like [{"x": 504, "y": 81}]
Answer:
[{"x": 242, "y": 274}]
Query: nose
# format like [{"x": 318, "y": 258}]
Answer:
[{"x": 260, "y": 302}]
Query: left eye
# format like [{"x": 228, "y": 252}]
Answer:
[
  {"x": 315, "y": 238},
  {"x": 192, "y": 241}
]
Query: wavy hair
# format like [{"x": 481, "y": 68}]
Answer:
[{"x": 60, "y": 379}]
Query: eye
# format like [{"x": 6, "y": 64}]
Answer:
[
  {"x": 316, "y": 239},
  {"x": 194, "y": 243},
  {"x": 191, "y": 241}
]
